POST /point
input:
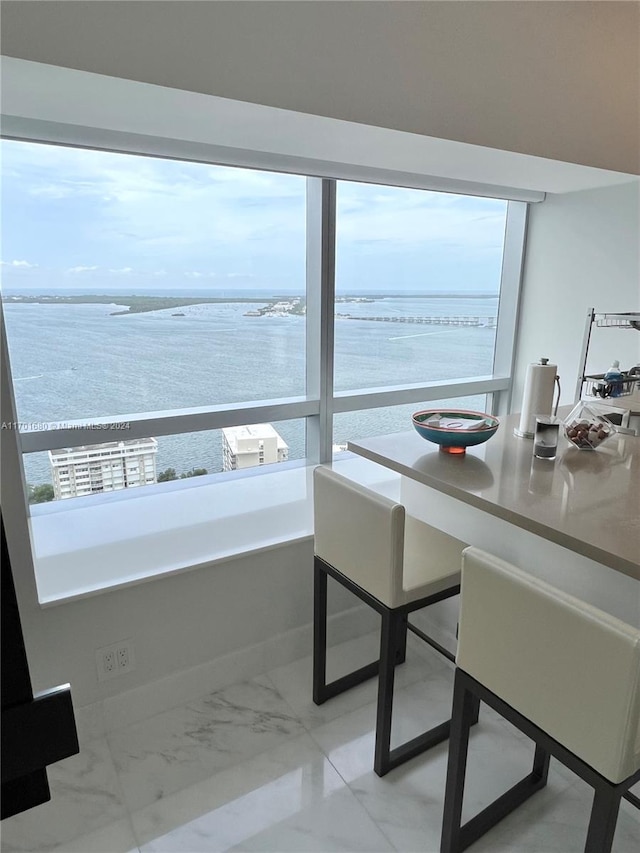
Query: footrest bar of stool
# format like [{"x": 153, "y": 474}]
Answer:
[
  {"x": 500, "y": 808},
  {"x": 635, "y": 801},
  {"x": 350, "y": 680},
  {"x": 433, "y": 643},
  {"x": 418, "y": 745}
]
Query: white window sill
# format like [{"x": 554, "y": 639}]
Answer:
[{"x": 86, "y": 546}]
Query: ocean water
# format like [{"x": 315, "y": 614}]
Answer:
[{"x": 81, "y": 361}]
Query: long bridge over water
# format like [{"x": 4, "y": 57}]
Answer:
[{"x": 449, "y": 320}]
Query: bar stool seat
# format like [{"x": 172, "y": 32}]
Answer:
[
  {"x": 396, "y": 564},
  {"x": 565, "y": 673}
]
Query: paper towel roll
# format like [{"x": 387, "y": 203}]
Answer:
[{"x": 537, "y": 398}]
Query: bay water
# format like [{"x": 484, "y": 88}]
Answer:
[{"x": 81, "y": 361}]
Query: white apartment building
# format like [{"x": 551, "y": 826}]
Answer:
[
  {"x": 248, "y": 446},
  {"x": 78, "y": 471}
]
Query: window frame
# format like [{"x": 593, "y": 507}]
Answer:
[{"x": 320, "y": 402}]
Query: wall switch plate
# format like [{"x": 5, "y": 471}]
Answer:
[{"x": 115, "y": 659}]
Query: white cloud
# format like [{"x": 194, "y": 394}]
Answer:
[
  {"x": 402, "y": 218},
  {"x": 53, "y": 191},
  {"x": 197, "y": 274},
  {"x": 24, "y": 264},
  {"x": 165, "y": 207},
  {"x": 185, "y": 217}
]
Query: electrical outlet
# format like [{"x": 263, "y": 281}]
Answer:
[
  {"x": 123, "y": 657},
  {"x": 115, "y": 660}
]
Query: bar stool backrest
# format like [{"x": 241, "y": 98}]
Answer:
[
  {"x": 360, "y": 533},
  {"x": 570, "y": 668}
]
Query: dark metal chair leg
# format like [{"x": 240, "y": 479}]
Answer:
[
  {"x": 322, "y": 691},
  {"x": 602, "y": 825},
  {"x": 393, "y": 649},
  {"x": 541, "y": 761},
  {"x": 401, "y": 643},
  {"x": 319, "y": 633},
  {"x": 475, "y": 710},
  {"x": 463, "y": 710},
  {"x": 388, "y": 647}
]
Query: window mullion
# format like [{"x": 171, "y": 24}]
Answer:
[
  {"x": 321, "y": 216},
  {"x": 509, "y": 306}
]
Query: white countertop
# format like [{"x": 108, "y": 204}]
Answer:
[{"x": 586, "y": 501}]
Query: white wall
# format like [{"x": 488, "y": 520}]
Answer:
[
  {"x": 582, "y": 252},
  {"x": 558, "y": 80}
]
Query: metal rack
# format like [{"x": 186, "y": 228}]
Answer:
[{"x": 593, "y": 385}]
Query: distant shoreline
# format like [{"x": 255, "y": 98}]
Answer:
[
  {"x": 134, "y": 304},
  {"x": 139, "y": 304}
]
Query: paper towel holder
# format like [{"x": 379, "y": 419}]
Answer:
[{"x": 523, "y": 430}]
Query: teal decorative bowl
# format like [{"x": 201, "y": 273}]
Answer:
[{"x": 455, "y": 429}]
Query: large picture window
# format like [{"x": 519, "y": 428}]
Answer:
[{"x": 169, "y": 319}]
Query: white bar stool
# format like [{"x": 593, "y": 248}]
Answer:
[
  {"x": 565, "y": 673},
  {"x": 394, "y": 563}
]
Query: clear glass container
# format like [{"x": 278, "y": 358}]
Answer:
[{"x": 586, "y": 428}]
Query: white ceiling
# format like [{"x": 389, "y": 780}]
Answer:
[{"x": 49, "y": 102}]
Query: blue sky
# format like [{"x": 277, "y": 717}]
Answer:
[{"x": 92, "y": 221}]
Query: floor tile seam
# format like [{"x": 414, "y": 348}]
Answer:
[
  {"x": 355, "y": 796},
  {"x": 365, "y": 810},
  {"x": 134, "y": 835},
  {"x": 328, "y": 758},
  {"x": 294, "y": 713},
  {"x": 121, "y": 793},
  {"x": 118, "y": 789},
  {"x": 378, "y": 826},
  {"x": 128, "y": 815},
  {"x": 362, "y": 803}
]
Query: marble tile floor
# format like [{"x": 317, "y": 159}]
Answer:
[{"x": 257, "y": 766}]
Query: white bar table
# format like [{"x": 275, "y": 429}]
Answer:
[{"x": 573, "y": 521}]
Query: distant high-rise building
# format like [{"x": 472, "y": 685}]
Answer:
[
  {"x": 248, "y": 446},
  {"x": 78, "y": 471}
]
